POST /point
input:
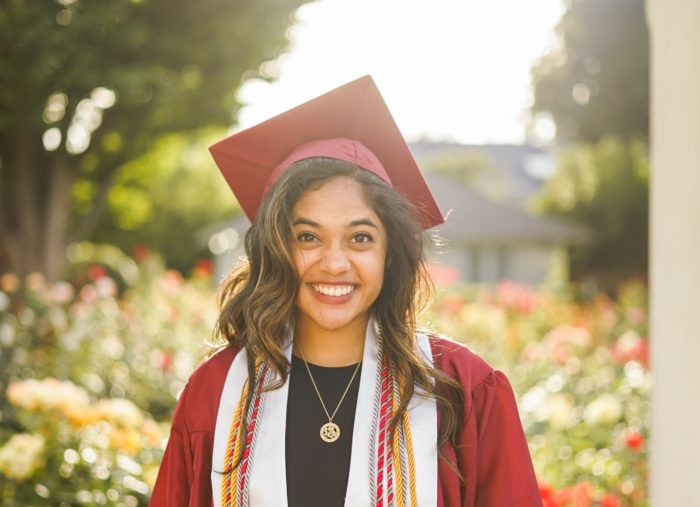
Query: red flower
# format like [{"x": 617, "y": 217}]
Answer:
[
  {"x": 96, "y": 271},
  {"x": 631, "y": 347},
  {"x": 548, "y": 495},
  {"x": 610, "y": 500},
  {"x": 203, "y": 269},
  {"x": 140, "y": 252},
  {"x": 634, "y": 440}
]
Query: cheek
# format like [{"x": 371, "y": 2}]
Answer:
[{"x": 374, "y": 269}]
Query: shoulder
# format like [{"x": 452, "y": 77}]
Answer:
[
  {"x": 459, "y": 362},
  {"x": 213, "y": 369},
  {"x": 199, "y": 402}
]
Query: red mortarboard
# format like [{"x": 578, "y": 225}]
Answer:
[{"x": 350, "y": 123}]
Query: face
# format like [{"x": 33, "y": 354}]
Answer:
[{"x": 339, "y": 251}]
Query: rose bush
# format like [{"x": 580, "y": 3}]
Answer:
[
  {"x": 580, "y": 371},
  {"x": 87, "y": 367},
  {"x": 91, "y": 368}
]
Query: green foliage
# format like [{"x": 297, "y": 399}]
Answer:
[
  {"x": 166, "y": 198},
  {"x": 106, "y": 80},
  {"x": 597, "y": 82},
  {"x": 605, "y": 187}
]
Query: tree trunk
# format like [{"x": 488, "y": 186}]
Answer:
[
  {"x": 33, "y": 232},
  {"x": 56, "y": 217},
  {"x": 26, "y": 212}
]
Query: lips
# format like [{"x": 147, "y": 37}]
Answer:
[{"x": 335, "y": 290}]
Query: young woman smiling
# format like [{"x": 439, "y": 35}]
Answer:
[{"x": 326, "y": 393}]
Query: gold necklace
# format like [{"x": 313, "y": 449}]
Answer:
[{"x": 330, "y": 432}]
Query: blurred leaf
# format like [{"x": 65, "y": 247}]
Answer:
[
  {"x": 597, "y": 81},
  {"x": 605, "y": 187}
]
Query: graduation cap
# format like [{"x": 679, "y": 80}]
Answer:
[{"x": 350, "y": 123}]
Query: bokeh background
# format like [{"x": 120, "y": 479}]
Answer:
[{"x": 530, "y": 121}]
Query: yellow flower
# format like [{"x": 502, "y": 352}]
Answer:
[
  {"x": 120, "y": 412},
  {"x": 47, "y": 395},
  {"x": 151, "y": 431},
  {"x": 127, "y": 440}
]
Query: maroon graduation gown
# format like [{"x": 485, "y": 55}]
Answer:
[{"x": 492, "y": 456}]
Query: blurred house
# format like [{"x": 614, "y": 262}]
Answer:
[{"x": 489, "y": 235}]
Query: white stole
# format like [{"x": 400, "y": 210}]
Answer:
[{"x": 268, "y": 480}]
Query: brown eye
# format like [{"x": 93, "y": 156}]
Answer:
[
  {"x": 362, "y": 237},
  {"x": 306, "y": 237}
]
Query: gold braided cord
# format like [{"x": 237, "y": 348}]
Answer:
[
  {"x": 232, "y": 454},
  {"x": 397, "y": 457},
  {"x": 411, "y": 460}
]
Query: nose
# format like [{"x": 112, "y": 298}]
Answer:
[{"x": 334, "y": 260}]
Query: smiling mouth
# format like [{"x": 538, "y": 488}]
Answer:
[{"x": 333, "y": 290}]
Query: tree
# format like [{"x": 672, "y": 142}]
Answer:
[
  {"x": 597, "y": 82},
  {"x": 605, "y": 187},
  {"x": 89, "y": 86}
]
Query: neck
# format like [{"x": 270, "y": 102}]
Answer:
[{"x": 332, "y": 348}]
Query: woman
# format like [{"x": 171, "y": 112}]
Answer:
[{"x": 326, "y": 393}]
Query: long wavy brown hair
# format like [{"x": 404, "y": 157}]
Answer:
[{"x": 256, "y": 300}]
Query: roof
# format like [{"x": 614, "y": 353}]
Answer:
[
  {"x": 475, "y": 219},
  {"x": 522, "y": 168}
]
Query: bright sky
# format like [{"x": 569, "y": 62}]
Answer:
[{"x": 448, "y": 69}]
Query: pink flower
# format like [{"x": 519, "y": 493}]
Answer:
[
  {"x": 172, "y": 280},
  {"x": 452, "y": 304},
  {"x": 516, "y": 296},
  {"x": 443, "y": 274},
  {"x": 88, "y": 293}
]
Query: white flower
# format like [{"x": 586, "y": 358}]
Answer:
[
  {"x": 4, "y": 301},
  {"x": 558, "y": 411},
  {"x": 22, "y": 455},
  {"x": 606, "y": 409}
]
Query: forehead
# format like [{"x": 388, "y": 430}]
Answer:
[{"x": 338, "y": 199}]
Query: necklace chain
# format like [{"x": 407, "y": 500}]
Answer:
[{"x": 318, "y": 393}]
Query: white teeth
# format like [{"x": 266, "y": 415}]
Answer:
[{"x": 333, "y": 290}]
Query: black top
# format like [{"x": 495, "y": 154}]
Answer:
[{"x": 317, "y": 472}]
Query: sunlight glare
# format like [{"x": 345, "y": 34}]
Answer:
[{"x": 449, "y": 70}]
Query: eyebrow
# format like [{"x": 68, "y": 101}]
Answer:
[{"x": 354, "y": 223}]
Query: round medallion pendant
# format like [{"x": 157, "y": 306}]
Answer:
[{"x": 330, "y": 432}]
